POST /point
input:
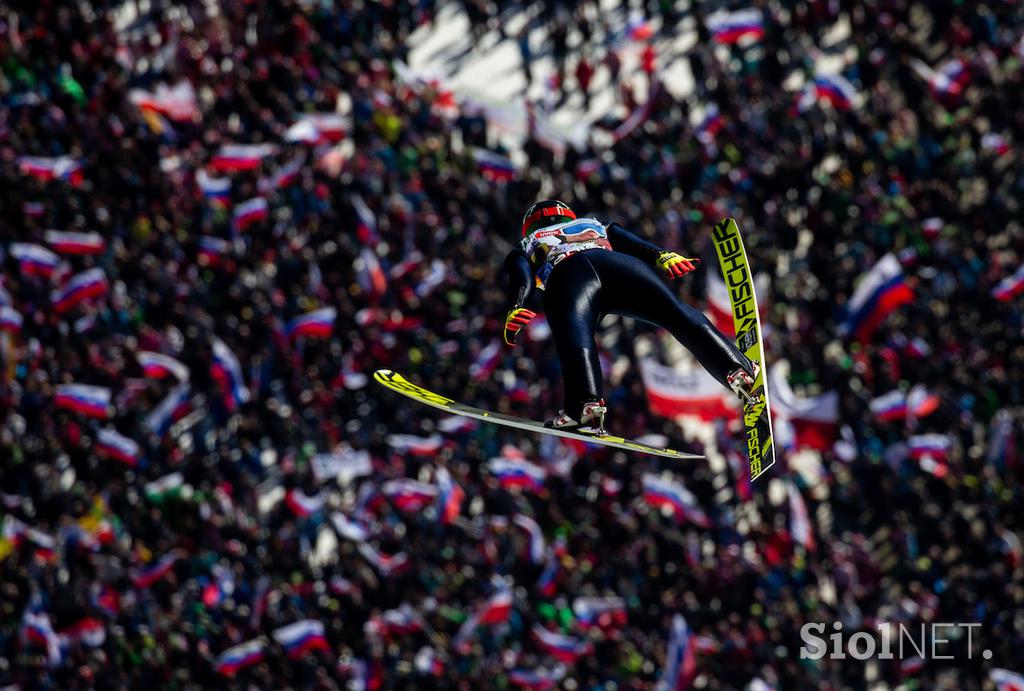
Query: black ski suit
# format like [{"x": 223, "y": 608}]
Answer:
[{"x": 585, "y": 286}]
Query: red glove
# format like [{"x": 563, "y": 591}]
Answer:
[{"x": 517, "y": 318}]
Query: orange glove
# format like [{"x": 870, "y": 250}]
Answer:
[
  {"x": 517, "y": 318},
  {"x": 676, "y": 265}
]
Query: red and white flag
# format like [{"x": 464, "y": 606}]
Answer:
[{"x": 671, "y": 393}]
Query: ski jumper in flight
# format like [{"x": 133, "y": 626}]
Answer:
[{"x": 588, "y": 269}]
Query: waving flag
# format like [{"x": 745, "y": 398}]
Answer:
[
  {"x": 366, "y": 222},
  {"x": 88, "y": 284},
  {"x": 402, "y": 621},
  {"x": 177, "y": 102},
  {"x": 1005, "y": 680},
  {"x": 250, "y": 211},
  {"x": 719, "y": 306},
  {"x": 316, "y": 324},
  {"x": 662, "y": 492},
  {"x": 156, "y": 571},
  {"x": 671, "y": 393},
  {"x": 227, "y": 371},
  {"x": 316, "y": 128},
  {"x": 494, "y": 166},
  {"x": 449, "y": 497},
  {"x": 639, "y": 116},
  {"x": 91, "y": 401},
  {"x": 563, "y": 648},
  {"x": 10, "y": 319},
  {"x": 896, "y": 404},
  {"x": 45, "y": 168},
  {"x": 170, "y": 485},
  {"x": 836, "y": 90},
  {"x": 680, "y": 663},
  {"x": 386, "y": 564},
  {"x": 212, "y": 250},
  {"x": 535, "y": 535},
  {"x": 171, "y": 409},
  {"x": 547, "y": 582},
  {"x": 370, "y": 275},
  {"x": 512, "y": 472},
  {"x": 496, "y": 610},
  {"x": 233, "y": 157},
  {"x": 114, "y": 445},
  {"x": 948, "y": 80},
  {"x": 238, "y": 657},
  {"x": 812, "y": 422},
  {"x": 732, "y": 27},
  {"x": 415, "y": 446},
  {"x": 879, "y": 293},
  {"x": 799, "y": 519},
  {"x": 299, "y": 638},
  {"x": 486, "y": 361},
  {"x": 34, "y": 260},
  {"x": 349, "y": 529},
  {"x": 935, "y": 445},
  {"x": 303, "y": 505},
  {"x": 603, "y": 612},
  {"x": 75, "y": 243},
  {"x": 160, "y": 366},
  {"x": 456, "y": 424},
  {"x": 1010, "y": 286},
  {"x": 37, "y": 630},
  {"x": 409, "y": 495},
  {"x": 87, "y": 631},
  {"x": 216, "y": 191}
]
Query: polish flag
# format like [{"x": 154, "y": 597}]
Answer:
[
  {"x": 235, "y": 157},
  {"x": 75, "y": 243}
]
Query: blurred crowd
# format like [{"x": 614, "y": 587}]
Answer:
[{"x": 247, "y": 480}]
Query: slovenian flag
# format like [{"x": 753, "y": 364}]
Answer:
[
  {"x": 896, "y": 404},
  {"x": 238, "y": 657},
  {"x": 486, "y": 361},
  {"x": 67, "y": 242},
  {"x": 349, "y": 529},
  {"x": 402, "y": 621},
  {"x": 709, "y": 127},
  {"x": 366, "y": 222},
  {"x": 45, "y": 168},
  {"x": 603, "y": 612},
  {"x": 563, "y": 648},
  {"x": 303, "y": 505},
  {"x": 534, "y": 534},
  {"x": 299, "y": 638},
  {"x": 160, "y": 366},
  {"x": 212, "y": 249},
  {"x": 154, "y": 572},
  {"x": 936, "y": 446},
  {"x": 879, "y": 293},
  {"x": 283, "y": 176},
  {"x": 449, "y": 497},
  {"x": 732, "y": 27},
  {"x": 370, "y": 274},
  {"x": 216, "y": 191},
  {"x": 414, "y": 445},
  {"x": 91, "y": 401},
  {"x": 172, "y": 408},
  {"x": 680, "y": 662},
  {"x": 10, "y": 319},
  {"x": 409, "y": 495},
  {"x": 547, "y": 582},
  {"x": 1010, "y": 286},
  {"x": 113, "y": 444},
  {"x": 799, "y": 518},
  {"x": 227, "y": 371},
  {"x": 87, "y": 284},
  {"x": 835, "y": 89},
  {"x": 662, "y": 492},
  {"x": 1005, "y": 680},
  {"x": 385, "y": 563},
  {"x": 494, "y": 166},
  {"x": 87, "y": 631},
  {"x": 456, "y": 424},
  {"x": 512, "y": 472},
  {"x": 34, "y": 260},
  {"x": 948, "y": 80},
  {"x": 233, "y": 157},
  {"x": 250, "y": 211},
  {"x": 316, "y": 324}
]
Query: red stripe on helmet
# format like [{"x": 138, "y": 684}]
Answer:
[{"x": 559, "y": 210}]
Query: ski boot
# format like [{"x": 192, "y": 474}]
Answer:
[
  {"x": 742, "y": 383},
  {"x": 591, "y": 419}
]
